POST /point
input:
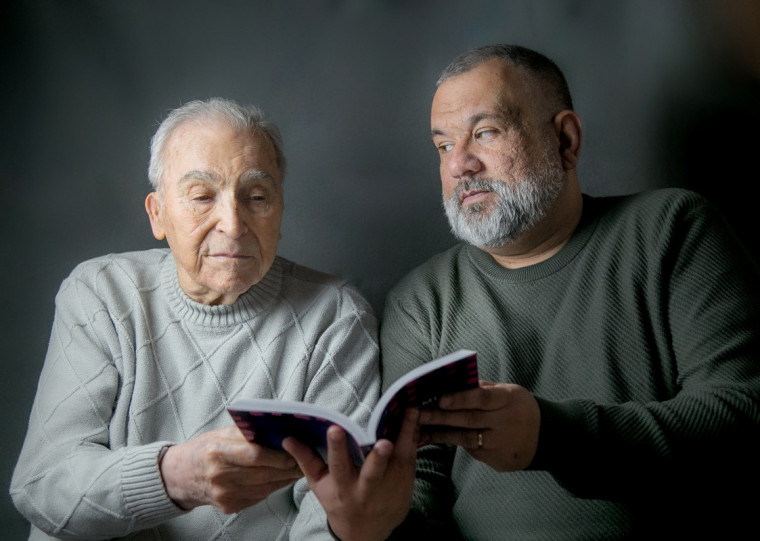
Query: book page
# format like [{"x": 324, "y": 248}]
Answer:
[{"x": 422, "y": 388}]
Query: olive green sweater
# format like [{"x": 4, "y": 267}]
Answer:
[{"x": 640, "y": 340}]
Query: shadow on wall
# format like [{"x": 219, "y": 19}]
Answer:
[{"x": 711, "y": 140}]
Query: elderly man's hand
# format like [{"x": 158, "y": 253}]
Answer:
[
  {"x": 223, "y": 469},
  {"x": 497, "y": 423},
  {"x": 368, "y": 503}
]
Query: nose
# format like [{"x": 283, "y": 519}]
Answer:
[
  {"x": 230, "y": 218},
  {"x": 462, "y": 161}
]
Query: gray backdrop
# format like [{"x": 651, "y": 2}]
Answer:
[{"x": 667, "y": 91}]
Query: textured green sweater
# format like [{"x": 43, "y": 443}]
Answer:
[{"x": 640, "y": 340}]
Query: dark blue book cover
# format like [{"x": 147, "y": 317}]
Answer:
[{"x": 269, "y": 421}]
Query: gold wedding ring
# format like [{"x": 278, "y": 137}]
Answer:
[{"x": 480, "y": 439}]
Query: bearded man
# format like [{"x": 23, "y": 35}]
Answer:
[{"x": 617, "y": 338}]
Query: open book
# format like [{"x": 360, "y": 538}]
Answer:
[{"x": 269, "y": 421}]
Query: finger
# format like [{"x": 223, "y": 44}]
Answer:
[
  {"x": 406, "y": 443},
  {"x": 483, "y": 397},
  {"x": 234, "y": 499},
  {"x": 471, "y": 419},
  {"x": 469, "y": 439},
  {"x": 374, "y": 468},
  {"x": 310, "y": 463},
  {"x": 339, "y": 460},
  {"x": 254, "y": 480},
  {"x": 264, "y": 490},
  {"x": 250, "y": 453},
  {"x": 403, "y": 453},
  {"x": 274, "y": 458},
  {"x": 231, "y": 432},
  {"x": 235, "y": 476}
]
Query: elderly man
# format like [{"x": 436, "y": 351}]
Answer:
[
  {"x": 617, "y": 339},
  {"x": 129, "y": 435}
]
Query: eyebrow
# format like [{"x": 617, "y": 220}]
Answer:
[
  {"x": 506, "y": 115},
  {"x": 257, "y": 174},
  {"x": 198, "y": 174},
  {"x": 211, "y": 177}
]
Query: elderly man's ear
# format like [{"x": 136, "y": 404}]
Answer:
[
  {"x": 569, "y": 131},
  {"x": 154, "y": 207}
]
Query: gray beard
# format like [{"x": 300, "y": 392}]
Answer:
[{"x": 519, "y": 207}]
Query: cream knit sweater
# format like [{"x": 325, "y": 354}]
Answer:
[{"x": 134, "y": 364}]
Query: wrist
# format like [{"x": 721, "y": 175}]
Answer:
[
  {"x": 170, "y": 467},
  {"x": 364, "y": 533},
  {"x": 161, "y": 454}
]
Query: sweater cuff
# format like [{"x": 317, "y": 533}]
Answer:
[
  {"x": 562, "y": 437},
  {"x": 143, "y": 489}
]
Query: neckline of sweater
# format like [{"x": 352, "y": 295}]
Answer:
[
  {"x": 249, "y": 305},
  {"x": 582, "y": 234}
]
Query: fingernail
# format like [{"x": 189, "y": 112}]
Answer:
[
  {"x": 382, "y": 450},
  {"x": 335, "y": 433}
]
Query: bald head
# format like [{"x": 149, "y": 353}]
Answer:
[{"x": 538, "y": 72}]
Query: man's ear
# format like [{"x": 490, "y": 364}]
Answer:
[
  {"x": 154, "y": 207},
  {"x": 567, "y": 126}
]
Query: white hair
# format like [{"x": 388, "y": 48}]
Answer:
[{"x": 244, "y": 118}]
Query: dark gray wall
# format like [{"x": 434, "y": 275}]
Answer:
[{"x": 664, "y": 100}]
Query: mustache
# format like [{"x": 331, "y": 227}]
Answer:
[{"x": 472, "y": 184}]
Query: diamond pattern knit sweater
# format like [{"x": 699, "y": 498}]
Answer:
[{"x": 134, "y": 364}]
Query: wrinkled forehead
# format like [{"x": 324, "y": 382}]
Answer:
[
  {"x": 220, "y": 148},
  {"x": 494, "y": 86}
]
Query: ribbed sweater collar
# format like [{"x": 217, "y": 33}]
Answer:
[
  {"x": 583, "y": 232},
  {"x": 249, "y": 305}
]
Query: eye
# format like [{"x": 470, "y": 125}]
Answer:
[
  {"x": 443, "y": 148},
  {"x": 258, "y": 201},
  {"x": 201, "y": 197},
  {"x": 486, "y": 134}
]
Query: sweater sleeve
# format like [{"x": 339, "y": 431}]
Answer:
[
  {"x": 346, "y": 378},
  {"x": 706, "y": 434},
  {"x": 68, "y": 481},
  {"x": 403, "y": 349}
]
